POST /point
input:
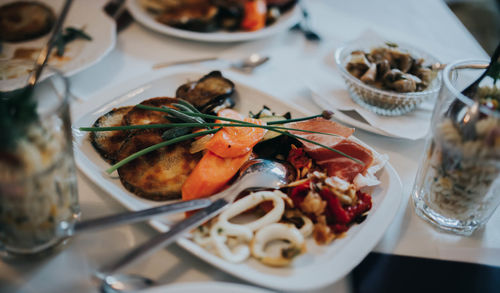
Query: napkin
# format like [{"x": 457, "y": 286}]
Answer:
[{"x": 413, "y": 125}]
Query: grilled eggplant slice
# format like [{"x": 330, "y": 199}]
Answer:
[
  {"x": 107, "y": 143},
  {"x": 200, "y": 17},
  {"x": 138, "y": 116},
  {"x": 158, "y": 175},
  {"x": 208, "y": 92},
  {"x": 25, "y": 20}
]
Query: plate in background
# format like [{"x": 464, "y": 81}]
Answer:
[{"x": 286, "y": 21}]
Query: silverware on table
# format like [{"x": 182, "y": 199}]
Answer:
[
  {"x": 247, "y": 64},
  {"x": 260, "y": 173},
  {"x": 67, "y": 230}
]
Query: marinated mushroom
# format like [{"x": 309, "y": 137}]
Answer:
[{"x": 390, "y": 68}]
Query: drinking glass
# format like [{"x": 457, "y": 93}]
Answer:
[
  {"x": 458, "y": 183},
  {"x": 38, "y": 187}
]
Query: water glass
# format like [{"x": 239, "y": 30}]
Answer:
[
  {"x": 458, "y": 184},
  {"x": 38, "y": 187}
]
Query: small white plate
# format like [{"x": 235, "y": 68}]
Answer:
[
  {"x": 286, "y": 21},
  {"x": 218, "y": 287},
  {"x": 79, "y": 54},
  {"x": 319, "y": 267}
]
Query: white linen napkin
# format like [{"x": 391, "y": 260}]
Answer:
[{"x": 412, "y": 126}]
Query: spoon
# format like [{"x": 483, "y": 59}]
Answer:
[
  {"x": 247, "y": 64},
  {"x": 260, "y": 173},
  {"x": 464, "y": 116},
  {"x": 42, "y": 58}
]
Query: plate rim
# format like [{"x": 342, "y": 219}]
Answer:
[
  {"x": 135, "y": 9},
  {"x": 387, "y": 210}
]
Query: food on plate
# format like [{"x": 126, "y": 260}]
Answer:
[
  {"x": 214, "y": 15},
  {"x": 390, "y": 68},
  {"x": 25, "y": 20},
  {"x": 210, "y": 93},
  {"x": 107, "y": 144},
  {"x": 329, "y": 195}
]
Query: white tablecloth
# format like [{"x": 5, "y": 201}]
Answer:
[{"x": 429, "y": 24}]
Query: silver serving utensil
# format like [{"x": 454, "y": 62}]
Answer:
[
  {"x": 66, "y": 229},
  {"x": 247, "y": 64},
  {"x": 42, "y": 58},
  {"x": 260, "y": 173}
]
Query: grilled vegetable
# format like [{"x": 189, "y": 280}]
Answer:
[
  {"x": 22, "y": 21},
  {"x": 158, "y": 175},
  {"x": 107, "y": 143},
  {"x": 210, "y": 91},
  {"x": 196, "y": 17},
  {"x": 138, "y": 116}
]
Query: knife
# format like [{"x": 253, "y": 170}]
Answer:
[{"x": 117, "y": 11}]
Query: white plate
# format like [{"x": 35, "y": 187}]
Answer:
[
  {"x": 286, "y": 21},
  {"x": 320, "y": 266},
  {"x": 218, "y": 287},
  {"x": 79, "y": 54}
]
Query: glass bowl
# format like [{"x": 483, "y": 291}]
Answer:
[{"x": 385, "y": 102}]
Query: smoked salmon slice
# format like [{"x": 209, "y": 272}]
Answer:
[
  {"x": 230, "y": 142},
  {"x": 211, "y": 174}
]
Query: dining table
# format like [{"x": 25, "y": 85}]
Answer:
[{"x": 411, "y": 254}]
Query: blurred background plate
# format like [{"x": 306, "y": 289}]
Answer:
[
  {"x": 79, "y": 54},
  {"x": 285, "y": 21}
]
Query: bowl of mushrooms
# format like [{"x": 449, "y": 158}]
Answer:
[{"x": 387, "y": 78}]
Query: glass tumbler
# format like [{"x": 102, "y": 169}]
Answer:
[
  {"x": 38, "y": 187},
  {"x": 458, "y": 184}
]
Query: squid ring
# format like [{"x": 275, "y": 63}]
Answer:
[
  {"x": 251, "y": 201},
  {"x": 219, "y": 238},
  {"x": 277, "y": 231}
]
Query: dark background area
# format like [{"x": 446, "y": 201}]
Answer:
[{"x": 481, "y": 18}]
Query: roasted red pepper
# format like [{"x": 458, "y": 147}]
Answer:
[
  {"x": 298, "y": 158},
  {"x": 298, "y": 193}
]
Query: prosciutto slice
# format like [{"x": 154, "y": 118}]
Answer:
[{"x": 335, "y": 163}]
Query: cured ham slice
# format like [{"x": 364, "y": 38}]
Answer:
[
  {"x": 320, "y": 125},
  {"x": 336, "y": 164}
]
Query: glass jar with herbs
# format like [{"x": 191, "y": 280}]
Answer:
[{"x": 37, "y": 172}]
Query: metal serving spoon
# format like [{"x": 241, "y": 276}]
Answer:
[
  {"x": 258, "y": 173},
  {"x": 247, "y": 64}
]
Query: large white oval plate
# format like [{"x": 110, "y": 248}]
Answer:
[
  {"x": 286, "y": 21},
  {"x": 320, "y": 266}
]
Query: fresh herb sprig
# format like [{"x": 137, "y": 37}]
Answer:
[
  {"x": 157, "y": 146},
  {"x": 195, "y": 119},
  {"x": 69, "y": 35},
  {"x": 17, "y": 111}
]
